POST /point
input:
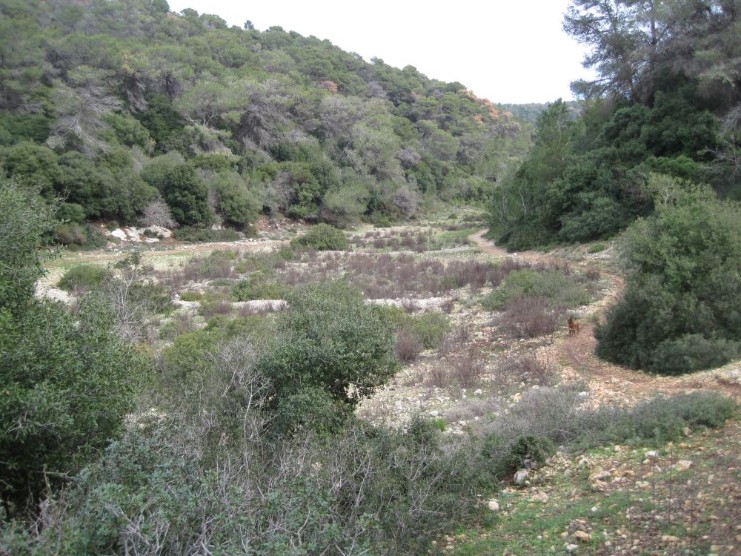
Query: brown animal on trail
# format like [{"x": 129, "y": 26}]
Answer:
[{"x": 573, "y": 327}]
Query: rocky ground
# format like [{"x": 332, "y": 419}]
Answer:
[
  {"x": 614, "y": 501},
  {"x": 570, "y": 358}
]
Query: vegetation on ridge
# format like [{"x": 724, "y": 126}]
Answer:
[
  {"x": 357, "y": 390},
  {"x": 120, "y": 105}
]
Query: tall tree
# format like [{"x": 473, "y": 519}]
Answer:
[
  {"x": 67, "y": 379},
  {"x": 637, "y": 43}
]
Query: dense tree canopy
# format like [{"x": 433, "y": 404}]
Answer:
[
  {"x": 682, "y": 306},
  {"x": 68, "y": 380},
  {"x": 666, "y": 99},
  {"x": 295, "y": 118}
]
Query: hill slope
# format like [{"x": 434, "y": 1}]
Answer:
[{"x": 116, "y": 105}]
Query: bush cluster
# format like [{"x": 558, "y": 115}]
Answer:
[
  {"x": 554, "y": 415},
  {"x": 83, "y": 277},
  {"x": 681, "y": 309},
  {"x": 558, "y": 288},
  {"x": 323, "y": 237}
]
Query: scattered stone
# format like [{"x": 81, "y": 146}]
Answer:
[
  {"x": 493, "y": 505},
  {"x": 598, "y": 486},
  {"x": 582, "y": 536},
  {"x": 539, "y": 497},
  {"x": 652, "y": 454},
  {"x": 521, "y": 476},
  {"x": 478, "y": 392},
  {"x": 682, "y": 465},
  {"x": 600, "y": 475},
  {"x": 669, "y": 538},
  {"x": 571, "y": 548}
]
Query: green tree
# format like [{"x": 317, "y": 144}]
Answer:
[
  {"x": 182, "y": 188},
  {"x": 236, "y": 203},
  {"x": 27, "y": 220},
  {"x": 520, "y": 214},
  {"x": 35, "y": 164},
  {"x": 681, "y": 310},
  {"x": 329, "y": 339},
  {"x": 68, "y": 381}
]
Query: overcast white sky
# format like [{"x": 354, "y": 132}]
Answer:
[{"x": 509, "y": 51}]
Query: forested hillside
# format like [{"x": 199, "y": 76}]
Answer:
[
  {"x": 666, "y": 100},
  {"x": 119, "y": 105},
  {"x": 399, "y": 386}
]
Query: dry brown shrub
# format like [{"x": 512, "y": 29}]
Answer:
[
  {"x": 438, "y": 377},
  {"x": 408, "y": 347},
  {"x": 522, "y": 367},
  {"x": 467, "y": 369},
  {"x": 474, "y": 407},
  {"x": 529, "y": 317},
  {"x": 454, "y": 341}
]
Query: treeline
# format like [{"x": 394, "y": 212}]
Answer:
[
  {"x": 530, "y": 112},
  {"x": 656, "y": 150},
  {"x": 115, "y": 105},
  {"x": 666, "y": 100}
]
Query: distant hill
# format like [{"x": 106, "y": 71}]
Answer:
[
  {"x": 119, "y": 105},
  {"x": 529, "y": 112}
]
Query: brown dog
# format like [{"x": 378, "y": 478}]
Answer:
[{"x": 573, "y": 327}]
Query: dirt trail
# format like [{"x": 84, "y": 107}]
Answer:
[{"x": 608, "y": 382}]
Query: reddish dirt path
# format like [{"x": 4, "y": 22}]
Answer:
[{"x": 605, "y": 381}]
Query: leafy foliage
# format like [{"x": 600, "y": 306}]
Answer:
[
  {"x": 299, "y": 125},
  {"x": 323, "y": 237},
  {"x": 557, "y": 288},
  {"x": 83, "y": 277},
  {"x": 329, "y": 339},
  {"x": 68, "y": 379},
  {"x": 26, "y": 220},
  {"x": 680, "y": 311},
  {"x": 660, "y": 104}
]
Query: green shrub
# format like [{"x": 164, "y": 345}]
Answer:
[
  {"x": 83, "y": 277},
  {"x": 381, "y": 220},
  {"x": 692, "y": 352},
  {"x": 71, "y": 380},
  {"x": 557, "y": 288},
  {"x": 330, "y": 339},
  {"x": 655, "y": 421},
  {"x": 259, "y": 286},
  {"x": 704, "y": 409},
  {"x": 428, "y": 328},
  {"x": 71, "y": 212},
  {"x": 530, "y": 451},
  {"x": 187, "y": 359},
  {"x": 371, "y": 489},
  {"x": 75, "y": 235},
  {"x": 323, "y": 237},
  {"x": 309, "y": 409},
  {"x": 681, "y": 309}
]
